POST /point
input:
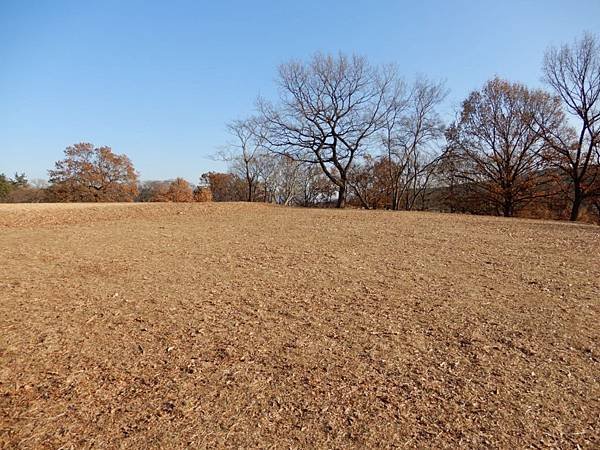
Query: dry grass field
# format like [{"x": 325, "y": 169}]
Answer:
[{"x": 252, "y": 326}]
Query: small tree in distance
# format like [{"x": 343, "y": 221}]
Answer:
[
  {"x": 202, "y": 194},
  {"x": 178, "y": 190},
  {"x": 93, "y": 174},
  {"x": 224, "y": 187},
  {"x": 243, "y": 155}
]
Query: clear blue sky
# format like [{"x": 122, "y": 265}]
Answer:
[{"x": 158, "y": 80}]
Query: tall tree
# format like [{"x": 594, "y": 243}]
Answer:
[
  {"x": 498, "y": 143},
  {"x": 243, "y": 154},
  {"x": 573, "y": 71},
  {"x": 409, "y": 140},
  {"x": 329, "y": 107},
  {"x": 93, "y": 174}
]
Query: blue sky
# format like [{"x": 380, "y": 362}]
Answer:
[{"x": 158, "y": 80}]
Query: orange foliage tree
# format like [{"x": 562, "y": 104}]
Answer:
[
  {"x": 203, "y": 194},
  {"x": 178, "y": 190},
  {"x": 93, "y": 174},
  {"x": 224, "y": 187}
]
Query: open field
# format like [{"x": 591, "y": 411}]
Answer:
[{"x": 234, "y": 325}]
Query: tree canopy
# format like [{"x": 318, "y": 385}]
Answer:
[{"x": 93, "y": 174}]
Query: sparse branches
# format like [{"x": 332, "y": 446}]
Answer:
[
  {"x": 499, "y": 146},
  {"x": 245, "y": 152},
  {"x": 573, "y": 72},
  {"x": 410, "y": 139},
  {"x": 329, "y": 108}
]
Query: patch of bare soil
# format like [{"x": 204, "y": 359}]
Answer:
[{"x": 234, "y": 325}]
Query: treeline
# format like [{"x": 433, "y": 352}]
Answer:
[
  {"x": 18, "y": 189},
  {"x": 348, "y": 132},
  {"x": 96, "y": 174},
  {"x": 345, "y": 132}
]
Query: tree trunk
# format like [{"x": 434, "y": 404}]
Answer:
[
  {"x": 577, "y": 201},
  {"x": 508, "y": 204},
  {"x": 394, "y": 199},
  {"x": 362, "y": 199},
  {"x": 507, "y": 210},
  {"x": 341, "y": 201},
  {"x": 249, "y": 189}
]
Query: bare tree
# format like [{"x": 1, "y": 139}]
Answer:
[
  {"x": 268, "y": 166},
  {"x": 573, "y": 71},
  {"x": 329, "y": 108},
  {"x": 315, "y": 187},
  {"x": 498, "y": 143},
  {"x": 243, "y": 154},
  {"x": 409, "y": 138},
  {"x": 287, "y": 178}
]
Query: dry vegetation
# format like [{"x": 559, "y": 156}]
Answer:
[{"x": 244, "y": 325}]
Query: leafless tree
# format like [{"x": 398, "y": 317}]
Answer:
[
  {"x": 499, "y": 145},
  {"x": 244, "y": 153},
  {"x": 267, "y": 168},
  {"x": 329, "y": 108},
  {"x": 287, "y": 178},
  {"x": 573, "y": 71},
  {"x": 410, "y": 140},
  {"x": 315, "y": 187}
]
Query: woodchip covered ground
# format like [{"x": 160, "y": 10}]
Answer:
[{"x": 234, "y": 325}]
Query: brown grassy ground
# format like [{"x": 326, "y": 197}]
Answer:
[{"x": 215, "y": 325}]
